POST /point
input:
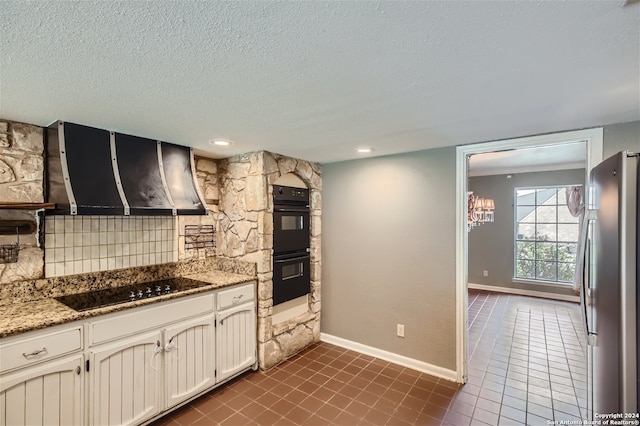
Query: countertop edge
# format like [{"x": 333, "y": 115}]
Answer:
[{"x": 19, "y": 318}]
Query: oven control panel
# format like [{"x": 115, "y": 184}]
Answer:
[{"x": 284, "y": 194}]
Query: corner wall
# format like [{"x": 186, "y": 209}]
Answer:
[
  {"x": 389, "y": 254},
  {"x": 245, "y": 232},
  {"x": 620, "y": 137}
]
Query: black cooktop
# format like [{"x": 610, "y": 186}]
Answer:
[{"x": 130, "y": 293}]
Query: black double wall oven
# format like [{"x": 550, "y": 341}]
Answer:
[{"x": 291, "y": 258}]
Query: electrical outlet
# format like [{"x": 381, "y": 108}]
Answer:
[
  {"x": 485, "y": 273},
  {"x": 400, "y": 330}
]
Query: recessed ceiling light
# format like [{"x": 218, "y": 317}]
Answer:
[
  {"x": 221, "y": 142},
  {"x": 364, "y": 150}
]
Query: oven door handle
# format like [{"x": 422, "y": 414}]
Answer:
[
  {"x": 292, "y": 259},
  {"x": 291, "y": 209}
]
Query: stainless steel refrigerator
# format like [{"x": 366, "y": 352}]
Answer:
[{"x": 610, "y": 296}]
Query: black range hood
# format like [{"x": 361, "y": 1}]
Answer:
[{"x": 97, "y": 172}]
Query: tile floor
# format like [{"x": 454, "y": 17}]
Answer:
[
  {"x": 526, "y": 367},
  {"x": 526, "y": 361}
]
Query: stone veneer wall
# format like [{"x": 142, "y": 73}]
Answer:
[
  {"x": 21, "y": 162},
  {"x": 21, "y": 180},
  {"x": 207, "y": 178},
  {"x": 239, "y": 192},
  {"x": 244, "y": 218}
]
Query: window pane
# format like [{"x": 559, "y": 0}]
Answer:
[
  {"x": 292, "y": 223},
  {"x": 546, "y": 214},
  {"x": 525, "y": 250},
  {"x": 546, "y": 232},
  {"x": 292, "y": 271},
  {"x": 567, "y": 252},
  {"x": 546, "y": 271},
  {"x": 546, "y": 251},
  {"x": 542, "y": 214},
  {"x": 562, "y": 196},
  {"x": 568, "y": 232},
  {"x": 547, "y": 196},
  {"x": 566, "y": 272},
  {"x": 526, "y": 231},
  {"x": 526, "y": 214},
  {"x": 565, "y": 216},
  {"x": 526, "y": 269},
  {"x": 526, "y": 197}
]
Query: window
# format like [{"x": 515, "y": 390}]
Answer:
[{"x": 546, "y": 235}]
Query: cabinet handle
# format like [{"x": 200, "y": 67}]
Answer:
[
  {"x": 158, "y": 349},
  {"x": 34, "y": 353},
  {"x": 78, "y": 369},
  {"x": 236, "y": 299},
  {"x": 170, "y": 346}
]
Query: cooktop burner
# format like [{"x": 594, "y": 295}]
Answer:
[{"x": 130, "y": 293}]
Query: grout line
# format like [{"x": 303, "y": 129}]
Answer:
[{"x": 515, "y": 318}]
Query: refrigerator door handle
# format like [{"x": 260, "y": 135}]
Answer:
[{"x": 583, "y": 271}]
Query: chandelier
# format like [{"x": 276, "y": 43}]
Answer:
[{"x": 479, "y": 210}]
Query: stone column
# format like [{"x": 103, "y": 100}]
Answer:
[
  {"x": 21, "y": 180},
  {"x": 239, "y": 191}
]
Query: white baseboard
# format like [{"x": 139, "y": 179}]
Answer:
[
  {"x": 522, "y": 292},
  {"x": 414, "y": 364}
]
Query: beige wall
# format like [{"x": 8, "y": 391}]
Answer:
[
  {"x": 388, "y": 253},
  {"x": 618, "y": 137},
  {"x": 389, "y": 249}
]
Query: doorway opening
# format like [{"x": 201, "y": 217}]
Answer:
[
  {"x": 594, "y": 142},
  {"x": 531, "y": 248}
]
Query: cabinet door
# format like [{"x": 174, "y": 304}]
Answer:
[
  {"x": 236, "y": 340},
  {"x": 124, "y": 378},
  {"x": 189, "y": 358},
  {"x": 47, "y": 394}
]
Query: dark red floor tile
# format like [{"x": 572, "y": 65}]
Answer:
[
  {"x": 328, "y": 412},
  {"x": 511, "y": 379},
  {"x": 298, "y": 415}
]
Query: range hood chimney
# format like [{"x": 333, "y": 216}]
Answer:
[{"x": 97, "y": 172}]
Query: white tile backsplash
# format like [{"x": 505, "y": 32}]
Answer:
[{"x": 79, "y": 244}]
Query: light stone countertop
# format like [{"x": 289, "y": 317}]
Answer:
[{"x": 19, "y": 318}]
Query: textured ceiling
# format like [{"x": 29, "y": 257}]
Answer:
[{"x": 315, "y": 80}]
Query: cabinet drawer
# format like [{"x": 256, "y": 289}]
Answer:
[
  {"x": 235, "y": 296},
  {"x": 32, "y": 350},
  {"x": 147, "y": 317}
]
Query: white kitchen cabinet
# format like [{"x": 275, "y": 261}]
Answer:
[
  {"x": 41, "y": 377},
  {"x": 153, "y": 317},
  {"x": 236, "y": 332},
  {"x": 49, "y": 393},
  {"x": 124, "y": 380},
  {"x": 236, "y": 339},
  {"x": 39, "y": 346},
  {"x": 189, "y": 358},
  {"x": 131, "y": 366},
  {"x": 149, "y": 359}
]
